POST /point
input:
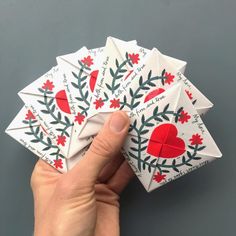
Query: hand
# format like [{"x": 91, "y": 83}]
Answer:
[{"x": 85, "y": 200}]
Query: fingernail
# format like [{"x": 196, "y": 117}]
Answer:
[{"x": 118, "y": 122}]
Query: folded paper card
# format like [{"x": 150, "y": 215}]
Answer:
[
  {"x": 47, "y": 99},
  {"x": 167, "y": 139},
  {"x": 65, "y": 108},
  {"x": 26, "y": 129}
]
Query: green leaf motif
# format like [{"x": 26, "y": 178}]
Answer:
[
  {"x": 108, "y": 86},
  {"x": 140, "y": 80},
  {"x": 117, "y": 63},
  {"x": 112, "y": 72},
  {"x": 75, "y": 85}
]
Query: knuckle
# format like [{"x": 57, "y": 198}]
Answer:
[{"x": 101, "y": 146}]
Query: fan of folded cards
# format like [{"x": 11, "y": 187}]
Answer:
[{"x": 66, "y": 107}]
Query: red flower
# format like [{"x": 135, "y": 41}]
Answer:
[
  {"x": 30, "y": 116},
  {"x": 115, "y": 103},
  {"x": 169, "y": 78},
  {"x": 88, "y": 61},
  {"x": 58, "y": 163},
  {"x": 196, "y": 139},
  {"x": 48, "y": 85},
  {"x": 98, "y": 103},
  {"x": 134, "y": 58},
  {"x": 189, "y": 94},
  {"x": 79, "y": 118},
  {"x": 184, "y": 117},
  {"x": 159, "y": 177},
  {"x": 61, "y": 139}
]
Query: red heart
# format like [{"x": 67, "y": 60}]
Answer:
[
  {"x": 93, "y": 79},
  {"x": 165, "y": 143},
  {"x": 153, "y": 94},
  {"x": 62, "y": 102}
]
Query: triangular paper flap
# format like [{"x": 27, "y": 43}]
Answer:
[
  {"x": 77, "y": 144},
  {"x": 183, "y": 117},
  {"x": 94, "y": 124},
  {"x": 120, "y": 49},
  {"x": 166, "y": 170},
  {"x": 72, "y": 58},
  {"x": 36, "y": 140},
  {"x": 198, "y": 98},
  {"x": 81, "y": 60},
  {"x": 17, "y": 123},
  {"x": 195, "y": 130},
  {"x": 180, "y": 65},
  {"x": 47, "y": 85},
  {"x": 97, "y": 55}
]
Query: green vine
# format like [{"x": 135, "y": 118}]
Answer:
[
  {"x": 80, "y": 85},
  {"x": 118, "y": 74},
  {"x": 143, "y": 86},
  {"x": 39, "y": 138},
  {"x": 50, "y": 109}
]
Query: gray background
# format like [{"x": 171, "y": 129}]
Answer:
[{"x": 33, "y": 33}]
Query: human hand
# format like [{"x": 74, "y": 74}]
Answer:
[{"x": 84, "y": 201}]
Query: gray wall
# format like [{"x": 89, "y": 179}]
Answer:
[{"x": 33, "y": 33}]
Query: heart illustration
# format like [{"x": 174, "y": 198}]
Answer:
[
  {"x": 165, "y": 143},
  {"x": 62, "y": 102},
  {"x": 93, "y": 79},
  {"x": 153, "y": 94}
]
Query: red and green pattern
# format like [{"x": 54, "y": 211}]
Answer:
[
  {"x": 38, "y": 136},
  {"x": 50, "y": 109},
  {"x": 117, "y": 74},
  {"x": 143, "y": 144},
  {"x": 80, "y": 85}
]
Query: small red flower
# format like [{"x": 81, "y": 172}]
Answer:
[
  {"x": 98, "y": 103},
  {"x": 61, "y": 139},
  {"x": 115, "y": 103},
  {"x": 134, "y": 58},
  {"x": 58, "y": 163},
  {"x": 196, "y": 139},
  {"x": 88, "y": 61},
  {"x": 79, "y": 118},
  {"x": 48, "y": 85},
  {"x": 30, "y": 116},
  {"x": 184, "y": 117},
  {"x": 159, "y": 177},
  {"x": 189, "y": 94},
  {"x": 169, "y": 78}
]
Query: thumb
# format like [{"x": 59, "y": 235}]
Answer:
[{"x": 104, "y": 147}]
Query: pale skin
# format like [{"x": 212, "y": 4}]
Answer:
[{"x": 84, "y": 201}]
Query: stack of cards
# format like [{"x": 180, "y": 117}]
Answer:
[{"x": 66, "y": 107}]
